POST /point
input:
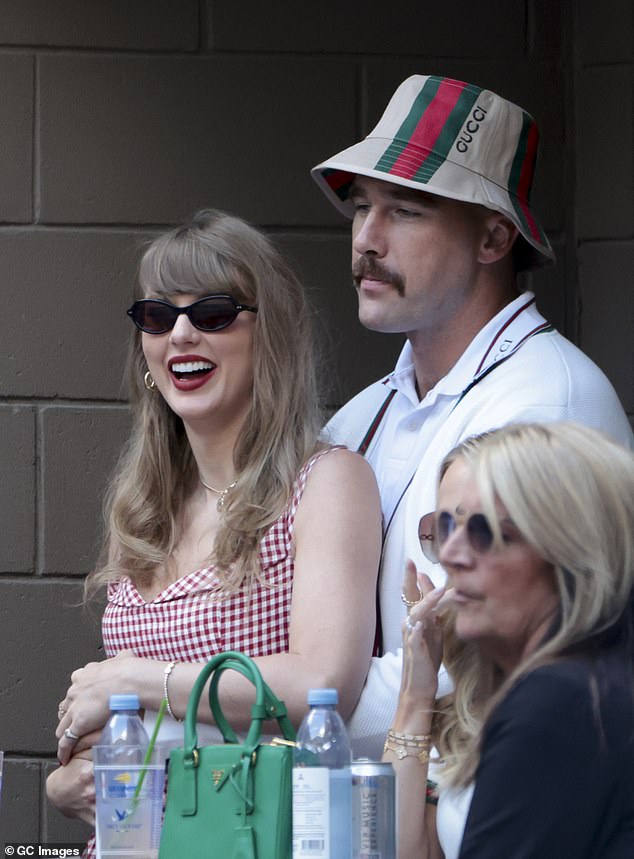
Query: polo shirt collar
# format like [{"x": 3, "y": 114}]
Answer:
[{"x": 497, "y": 338}]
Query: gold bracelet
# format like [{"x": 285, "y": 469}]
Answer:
[
  {"x": 168, "y": 670},
  {"x": 408, "y": 745}
]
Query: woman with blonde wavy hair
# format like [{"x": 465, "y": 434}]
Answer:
[
  {"x": 534, "y": 527},
  {"x": 230, "y": 525}
]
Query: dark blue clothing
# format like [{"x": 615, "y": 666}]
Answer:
[{"x": 556, "y": 775}]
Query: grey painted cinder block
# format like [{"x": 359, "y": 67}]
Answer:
[
  {"x": 73, "y": 287},
  {"x": 79, "y": 451},
  {"x": 496, "y": 27},
  {"x": 607, "y": 312},
  {"x": 45, "y": 634},
  {"x": 549, "y": 28},
  {"x": 353, "y": 356},
  {"x": 606, "y": 31},
  {"x": 151, "y": 139},
  {"x": 605, "y": 134},
  {"x": 16, "y": 137},
  {"x": 549, "y": 285},
  {"x": 20, "y": 807},
  {"x": 143, "y": 24},
  {"x": 17, "y": 489}
]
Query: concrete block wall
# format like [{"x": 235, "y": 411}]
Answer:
[
  {"x": 604, "y": 97},
  {"x": 119, "y": 118}
]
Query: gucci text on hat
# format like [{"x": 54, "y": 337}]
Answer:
[{"x": 453, "y": 139}]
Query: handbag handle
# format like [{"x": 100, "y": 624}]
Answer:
[
  {"x": 267, "y": 705},
  {"x": 270, "y": 708}
]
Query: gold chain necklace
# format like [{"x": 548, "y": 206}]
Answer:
[{"x": 221, "y": 493}]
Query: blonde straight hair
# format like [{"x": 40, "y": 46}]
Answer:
[
  {"x": 216, "y": 253},
  {"x": 570, "y": 492}
]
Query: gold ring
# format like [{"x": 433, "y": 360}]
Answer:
[{"x": 411, "y": 603}]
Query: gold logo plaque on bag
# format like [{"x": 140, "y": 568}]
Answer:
[{"x": 217, "y": 776}]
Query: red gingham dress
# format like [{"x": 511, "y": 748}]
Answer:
[{"x": 188, "y": 621}]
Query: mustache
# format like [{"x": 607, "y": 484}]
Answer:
[{"x": 369, "y": 267}]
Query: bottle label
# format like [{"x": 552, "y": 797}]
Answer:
[{"x": 311, "y": 818}]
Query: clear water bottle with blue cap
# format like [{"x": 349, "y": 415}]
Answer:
[
  {"x": 129, "y": 786},
  {"x": 124, "y": 734},
  {"x": 322, "y": 782}
]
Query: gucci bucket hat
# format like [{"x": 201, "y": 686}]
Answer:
[{"x": 449, "y": 138}]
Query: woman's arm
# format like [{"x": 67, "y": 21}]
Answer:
[
  {"x": 337, "y": 547},
  {"x": 71, "y": 789},
  {"x": 422, "y": 648}
]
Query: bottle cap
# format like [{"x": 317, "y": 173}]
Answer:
[
  {"x": 125, "y": 702},
  {"x": 322, "y": 697}
]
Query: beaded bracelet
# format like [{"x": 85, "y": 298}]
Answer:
[
  {"x": 408, "y": 745},
  {"x": 168, "y": 670}
]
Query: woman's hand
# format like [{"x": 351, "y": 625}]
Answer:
[
  {"x": 85, "y": 708},
  {"x": 422, "y": 652},
  {"x": 71, "y": 788}
]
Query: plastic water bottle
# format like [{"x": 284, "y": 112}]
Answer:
[
  {"x": 124, "y": 733},
  {"x": 129, "y": 791},
  {"x": 322, "y": 782}
]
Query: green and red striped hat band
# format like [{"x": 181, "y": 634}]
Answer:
[{"x": 449, "y": 138}]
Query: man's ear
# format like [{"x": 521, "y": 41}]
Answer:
[{"x": 499, "y": 235}]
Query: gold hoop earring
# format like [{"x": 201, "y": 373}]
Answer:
[{"x": 148, "y": 381}]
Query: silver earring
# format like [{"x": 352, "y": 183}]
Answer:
[{"x": 148, "y": 381}]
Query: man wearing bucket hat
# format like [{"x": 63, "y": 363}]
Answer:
[{"x": 439, "y": 197}]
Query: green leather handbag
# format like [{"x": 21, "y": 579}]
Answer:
[{"x": 230, "y": 801}]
